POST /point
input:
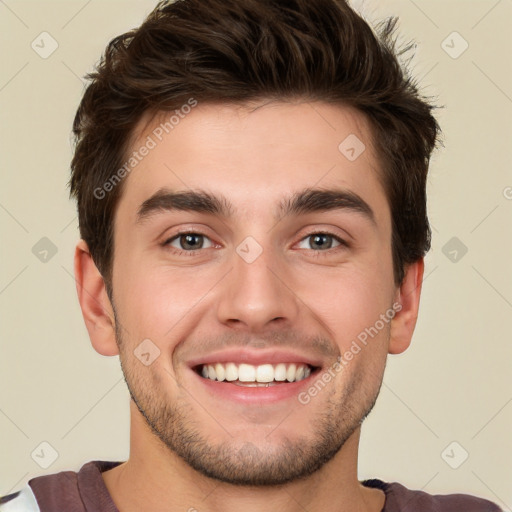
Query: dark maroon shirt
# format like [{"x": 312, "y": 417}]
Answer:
[{"x": 85, "y": 491}]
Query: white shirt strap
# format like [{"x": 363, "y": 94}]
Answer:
[{"x": 25, "y": 501}]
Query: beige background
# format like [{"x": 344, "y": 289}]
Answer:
[{"x": 453, "y": 384}]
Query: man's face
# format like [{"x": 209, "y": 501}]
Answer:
[{"x": 251, "y": 278}]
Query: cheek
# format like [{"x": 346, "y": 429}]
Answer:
[
  {"x": 154, "y": 300},
  {"x": 347, "y": 301}
]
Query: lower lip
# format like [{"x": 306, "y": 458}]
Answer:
[{"x": 246, "y": 394}]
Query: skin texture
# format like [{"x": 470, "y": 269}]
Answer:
[{"x": 188, "y": 442}]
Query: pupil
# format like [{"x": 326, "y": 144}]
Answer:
[{"x": 191, "y": 241}]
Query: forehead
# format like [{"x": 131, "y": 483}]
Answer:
[{"x": 254, "y": 155}]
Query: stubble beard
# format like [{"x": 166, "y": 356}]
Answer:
[{"x": 247, "y": 464}]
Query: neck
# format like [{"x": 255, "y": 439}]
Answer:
[{"x": 156, "y": 479}]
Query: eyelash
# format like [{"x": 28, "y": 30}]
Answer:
[
  {"x": 317, "y": 253},
  {"x": 327, "y": 252},
  {"x": 182, "y": 252}
]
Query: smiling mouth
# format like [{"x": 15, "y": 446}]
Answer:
[{"x": 248, "y": 375}]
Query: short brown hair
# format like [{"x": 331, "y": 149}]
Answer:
[{"x": 236, "y": 51}]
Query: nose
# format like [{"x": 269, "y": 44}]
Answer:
[{"x": 256, "y": 295}]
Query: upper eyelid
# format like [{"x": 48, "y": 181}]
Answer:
[
  {"x": 186, "y": 232},
  {"x": 322, "y": 232}
]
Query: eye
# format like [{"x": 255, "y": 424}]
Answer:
[
  {"x": 189, "y": 241},
  {"x": 321, "y": 241}
]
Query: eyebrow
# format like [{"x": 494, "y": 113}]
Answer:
[
  {"x": 193, "y": 201},
  {"x": 312, "y": 200},
  {"x": 309, "y": 200}
]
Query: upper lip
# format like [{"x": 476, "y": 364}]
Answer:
[{"x": 255, "y": 357}]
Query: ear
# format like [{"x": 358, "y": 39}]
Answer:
[
  {"x": 96, "y": 307},
  {"x": 408, "y": 295}
]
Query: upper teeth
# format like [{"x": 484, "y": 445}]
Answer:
[{"x": 262, "y": 373}]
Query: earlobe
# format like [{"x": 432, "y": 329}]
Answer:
[
  {"x": 94, "y": 302},
  {"x": 408, "y": 296}
]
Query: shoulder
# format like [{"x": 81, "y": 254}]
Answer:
[
  {"x": 46, "y": 492},
  {"x": 57, "y": 491},
  {"x": 401, "y": 499}
]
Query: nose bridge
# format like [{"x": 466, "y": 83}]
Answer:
[{"x": 254, "y": 293}]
